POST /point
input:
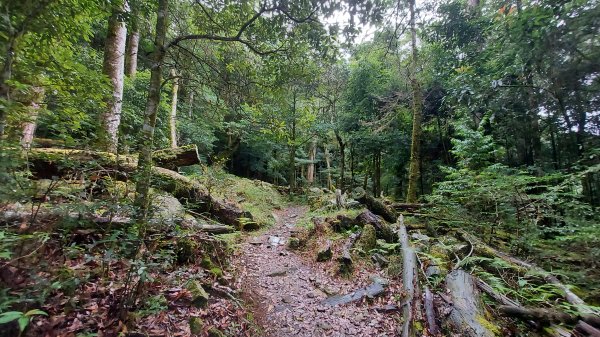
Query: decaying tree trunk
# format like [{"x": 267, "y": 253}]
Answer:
[
  {"x": 467, "y": 315},
  {"x": 585, "y": 330},
  {"x": 382, "y": 230},
  {"x": 539, "y": 315},
  {"x": 409, "y": 281},
  {"x": 173, "y": 114},
  {"x": 430, "y": 313},
  {"x": 215, "y": 229},
  {"x": 324, "y": 253},
  {"x": 346, "y": 259},
  {"x": 46, "y": 163},
  {"x": 339, "y": 199},
  {"x": 374, "y": 205},
  {"x": 36, "y": 96},
  {"x": 113, "y": 68},
  {"x": 406, "y": 207},
  {"x": 173, "y": 158}
]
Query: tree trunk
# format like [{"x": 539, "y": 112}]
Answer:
[
  {"x": 342, "y": 147},
  {"x": 152, "y": 104},
  {"x": 33, "y": 110},
  {"x": 173, "y": 158},
  {"x": 132, "y": 54},
  {"x": 374, "y": 205},
  {"x": 173, "y": 115},
  {"x": 328, "y": 163},
  {"x": 312, "y": 153},
  {"x": 467, "y": 313},
  {"x": 5, "y": 76},
  {"x": 191, "y": 104},
  {"x": 292, "y": 168},
  {"x": 377, "y": 173},
  {"x": 417, "y": 106},
  {"x": 409, "y": 281},
  {"x": 113, "y": 67}
]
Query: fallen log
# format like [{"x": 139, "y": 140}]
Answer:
[
  {"x": 485, "y": 250},
  {"x": 407, "y": 207},
  {"x": 371, "y": 291},
  {"x": 409, "y": 281},
  {"x": 382, "y": 230},
  {"x": 340, "y": 223},
  {"x": 430, "y": 313},
  {"x": 585, "y": 330},
  {"x": 374, "y": 205},
  {"x": 467, "y": 313},
  {"x": 540, "y": 315},
  {"x": 46, "y": 163},
  {"x": 173, "y": 158},
  {"x": 346, "y": 259}
]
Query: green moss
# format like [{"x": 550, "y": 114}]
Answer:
[
  {"x": 214, "y": 332},
  {"x": 488, "y": 325},
  {"x": 199, "y": 295},
  {"x": 216, "y": 271},
  {"x": 368, "y": 239},
  {"x": 206, "y": 263},
  {"x": 196, "y": 325}
]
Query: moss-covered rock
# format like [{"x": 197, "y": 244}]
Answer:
[
  {"x": 294, "y": 243},
  {"x": 199, "y": 295},
  {"x": 206, "y": 263},
  {"x": 196, "y": 325},
  {"x": 368, "y": 239}
]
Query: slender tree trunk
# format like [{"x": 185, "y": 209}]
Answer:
[
  {"x": 377, "y": 173},
  {"x": 152, "y": 104},
  {"x": 312, "y": 153},
  {"x": 351, "y": 167},
  {"x": 328, "y": 163},
  {"x": 191, "y": 104},
  {"x": 417, "y": 106},
  {"x": 342, "y": 147},
  {"x": 33, "y": 110},
  {"x": 132, "y": 53},
  {"x": 173, "y": 115},
  {"x": 114, "y": 64}
]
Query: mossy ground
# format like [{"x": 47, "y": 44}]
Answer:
[{"x": 257, "y": 197}]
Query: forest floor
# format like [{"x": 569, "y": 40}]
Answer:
[{"x": 286, "y": 288}]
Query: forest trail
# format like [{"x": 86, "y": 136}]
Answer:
[{"x": 286, "y": 289}]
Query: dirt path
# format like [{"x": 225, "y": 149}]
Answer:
[{"x": 286, "y": 290}]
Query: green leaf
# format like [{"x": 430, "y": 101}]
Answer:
[
  {"x": 35, "y": 312},
  {"x": 23, "y": 323},
  {"x": 9, "y": 316}
]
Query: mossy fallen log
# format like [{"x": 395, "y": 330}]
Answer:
[
  {"x": 374, "y": 205},
  {"x": 47, "y": 163},
  {"x": 173, "y": 158},
  {"x": 467, "y": 315},
  {"x": 345, "y": 260},
  {"x": 382, "y": 229}
]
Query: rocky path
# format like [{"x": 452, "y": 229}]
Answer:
[{"x": 287, "y": 289}]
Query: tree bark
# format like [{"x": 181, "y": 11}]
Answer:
[
  {"x": 409, "y": 281},
  {"x": 467, "y": 310},
  {"x": 432, "y": 325},
  {"x": 173, "y": 158},
  {"x": 375, "y": 205},
  {"x": 312, "y": 153},
  {"x": 113, "y": 68},
  {"x": 152, "y": 104},
  {"x": 345, "y": 260},
  {"x": 33, "y": 110},
  {"x": 417, "y": 107},
  {"x": 173, "y": 115},
  {"x": 328, "y": 163},
  {"x": 342, "y": 147},
  {"x": 382, "y": 230}
]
